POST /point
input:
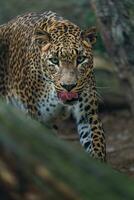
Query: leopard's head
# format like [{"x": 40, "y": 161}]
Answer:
[{"x": 66, "y": 56}]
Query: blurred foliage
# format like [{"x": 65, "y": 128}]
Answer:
[
  {"x": 35, "y": 162},
  {"x": 79, "y": 12}
]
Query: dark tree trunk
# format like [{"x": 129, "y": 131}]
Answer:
[{"x": 116, "y": 22}]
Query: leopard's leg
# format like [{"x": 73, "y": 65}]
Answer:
[{"x": 89, "y": 126}]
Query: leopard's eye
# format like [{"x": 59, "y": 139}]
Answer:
[
  {"x": 80, "y": 59},
  {"x": 54, "y": 60}
]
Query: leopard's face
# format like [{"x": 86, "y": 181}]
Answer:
[
  {"x": 67, "y": 66},
  {"x": 67, "y": 58}
]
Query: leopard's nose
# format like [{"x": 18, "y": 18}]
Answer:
[{"x": 68, "y": 87}]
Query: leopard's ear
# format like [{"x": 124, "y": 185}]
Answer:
[
  {"x": 41, "y": 37},
  {"x": 89, "y": 35}
]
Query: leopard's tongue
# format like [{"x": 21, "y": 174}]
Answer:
[{"x": 67, "y": 95}]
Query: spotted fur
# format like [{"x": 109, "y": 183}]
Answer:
[{"x": 40, "y": 54}]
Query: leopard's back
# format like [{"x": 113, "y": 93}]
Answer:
[
  {"x": 15, "y": 42},
  {"x": 3, "y": 61}
]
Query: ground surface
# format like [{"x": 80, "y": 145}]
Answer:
[{"x": 119, "y": 130}]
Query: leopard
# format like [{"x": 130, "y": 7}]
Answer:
[{"x": 46, "y": 67}]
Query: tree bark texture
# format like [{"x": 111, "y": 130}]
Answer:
[
  {"x": 36, "y": 165},
  {"x": 116, "y": 22}
]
